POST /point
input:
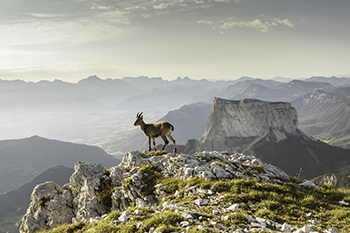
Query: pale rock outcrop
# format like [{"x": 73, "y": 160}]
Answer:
[
  {"x": 84, "y": 184},
  {"x": 78, "y": 201},
  {"x": 237, "y": 125},
  {"x": 50, "y": 206}
]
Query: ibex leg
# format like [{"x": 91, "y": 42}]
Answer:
[
  {"x": 166, "y": 142},
  {"x": 173, "y": 140},
  {"x": 154, "y": 144},
  {"x": 149, "y": 144}
]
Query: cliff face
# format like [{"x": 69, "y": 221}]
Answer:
[
  {"x": 269, "y": 131},
  {"x": 237, "y": 125}
]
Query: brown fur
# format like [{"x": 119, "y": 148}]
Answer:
[{"x": 156, "y": 130}]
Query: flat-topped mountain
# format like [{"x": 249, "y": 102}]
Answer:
[
  {"x": 268, "y": 130},
  {"x": 247, "y": 119}
]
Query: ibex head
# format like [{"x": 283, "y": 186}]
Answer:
[{"x": 139, "y": 119}]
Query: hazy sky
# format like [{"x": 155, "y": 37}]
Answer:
[{"x": 213, "y": 39}]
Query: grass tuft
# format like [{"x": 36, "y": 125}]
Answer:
[
  {"x": 128, "y": 182},
  {"x": 42, "y": 202},
  {"x": 105, "y": 192},
  {"x": 288, "y": 202},
  {"x": 150, "y": 177},
  {"x": 156, "y": 153}
]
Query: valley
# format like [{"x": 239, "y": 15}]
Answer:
[{"x": 100, "y": 113}]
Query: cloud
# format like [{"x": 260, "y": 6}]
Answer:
[
  {"x": 260, "y": 25},
  {"x": 286, "y": 22},
  {"x": 64, "y": 31},
  {"x": 99, "y": 7},
  {"x": 160, "y": 6},
  {"x": 226, "y": 1},
  {"x": 41, "y": 15},
  {"x": 205, "y": 22}
]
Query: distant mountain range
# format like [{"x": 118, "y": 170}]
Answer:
[
  {"x": 23, "y": 159},
  {"x": 190, "y": 120},
  {"x": 101, "y": 112},
  {"x": 326, "y": 115},
  {"x": 13, "y": 204}
]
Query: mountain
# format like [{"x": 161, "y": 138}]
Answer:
[
  {"x": 282, "y": 79},
  {"x": 169, "y": 97},
  {"x": 269, "y": 131},
  {"x": 258, "y": 91},
  {"x": 231, "y": 91},
  {"x": 13, "y": 204},
  {"x": 23, "y": 159},
  {"x": 206, "y": 192},
  {"x": 296, "y": 88},
  {"x": 237, "y": 125},
  {"x": 87, "y": 111},
  {"x": 188, "y": 121},
  {"x": 326, "y": 115},
  {"x": 335, "y": 81},
  {"x": 269, "y": 90}
]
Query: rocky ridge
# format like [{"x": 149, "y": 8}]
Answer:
[{"x": 81, "y": 200}]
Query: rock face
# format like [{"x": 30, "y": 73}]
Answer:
[
  {"x": 237, "y": 125},
  {"x": 52, "y": 205},
  {"x": 123, "y": 186},
  {"x": 269, "y": 131},
  {"x": 250, "y": 118},
  {"x": 79, "y": 200}
]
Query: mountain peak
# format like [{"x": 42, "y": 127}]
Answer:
[
  {"x": 167, "y": 192},
  {"x": 92, "y": 78},
  {"x": 51, "y": 205},
  {"x": 249, "y": 118}
]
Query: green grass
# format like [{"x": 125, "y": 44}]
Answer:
[
  {"x": 42, "y": 202},
  {"x": 105, "y": 191},
  {"x": 156, "y": 153},
  {"x": 128, "y": 182},
  {"x": 150, "y": 177},
  {"x": 281, "y": 203}
]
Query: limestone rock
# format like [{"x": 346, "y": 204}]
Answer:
[
  {"x": 49, "y": 208},
  {"x": 80, "y": 200},
  {"x": 308, "y": 183},
  {"x": 233, "y": 207},
  {"x": 117, "y": 175},
  {"x": 250, "y": 118},
  {"x": 237, "y": 125},
  {"x": 84, "y": 184},
  {"x": 332, "y": 230}
]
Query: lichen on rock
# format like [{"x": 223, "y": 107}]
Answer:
[{"x": 93, "y": 191}]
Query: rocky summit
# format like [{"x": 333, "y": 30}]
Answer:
[
  {"x": 236, "y": 125},
  {"x": 175, "y": 193}
]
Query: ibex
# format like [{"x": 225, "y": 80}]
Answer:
[{"x": 156, "y": 130}]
